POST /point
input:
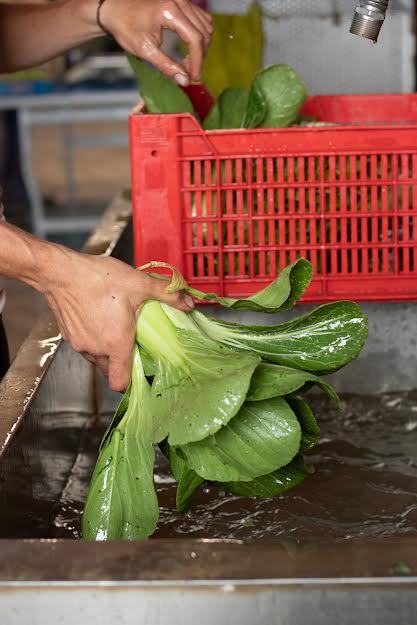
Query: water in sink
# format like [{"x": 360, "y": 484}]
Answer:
[{"x": 364, "y": 482}]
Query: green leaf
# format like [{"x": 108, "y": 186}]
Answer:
[
  {"x": 284, "y": 93},
  {"x": 310, "y": 430},
  {"x": 280, "y": 295},
  {"x": 188, "y": 485},
  {"x": 276, "y": 381},
  {"x": 271, "y": 485},
  {"x": 118, "y": 415},
  {"x": 121, "y": 502},
  {"x": 177, "y": 282},
  {"x": 327, "y": 388},
  {"x": 149, "y": 365},
  {"x": 188, "y": 480},
  {"x": 228, "y": 111},
  {"x": 263, "y": 437},
  {"x": 160, "y": 93},
  {"x": 256, "y": 108},
  {"x": 321, "y": 341},
  {"x": 213, "y": 119},
  {"x": 198, "y": 385},
  {"x": 175, "y": 459},
  {"x": 103, "y": 512}
]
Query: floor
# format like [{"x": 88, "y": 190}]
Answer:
[{"x": 99, "y": 174}]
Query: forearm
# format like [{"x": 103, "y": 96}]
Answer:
[
  {"x": 33, "y": 34},
  {"x": 95, "y": 299},
  {"x": 30, "y": 260}
]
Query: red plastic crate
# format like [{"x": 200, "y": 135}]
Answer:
[{"x": 231, "y": 208}]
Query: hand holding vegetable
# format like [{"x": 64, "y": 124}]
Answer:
[
  {"x": 49, "y": 29},
  {"x": 137, "y": 25},
  {"x": 95, "y": 301}
]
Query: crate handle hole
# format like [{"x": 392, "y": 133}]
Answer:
[{"x": 154, "y": 153}]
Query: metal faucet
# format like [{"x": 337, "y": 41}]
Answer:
[{"x": 368, "y": 18}]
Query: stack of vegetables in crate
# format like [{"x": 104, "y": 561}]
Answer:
[
  {"x": 224, "y": 401},
  {"x": 274, "y": 99}
]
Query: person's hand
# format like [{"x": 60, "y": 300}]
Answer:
[
  {"x": 137, "y": 26},
  {"x": 96, "y": 301}
]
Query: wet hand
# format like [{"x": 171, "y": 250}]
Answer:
[
  {"x": 96, "y": 301},
  {"x": 137, "y": 26}
]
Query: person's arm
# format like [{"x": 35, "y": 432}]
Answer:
[
  {"x": 95, "y": 299},
  {"x": 33, "y": 34}
]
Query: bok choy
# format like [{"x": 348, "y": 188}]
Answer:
[
  {"x": 223, "y": 403},
  {"x": 274, "y": 99}
]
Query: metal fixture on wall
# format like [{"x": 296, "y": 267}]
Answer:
[{"x": 368, "y": 18}]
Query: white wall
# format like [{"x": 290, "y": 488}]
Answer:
[{"x": 313, "y": 37}]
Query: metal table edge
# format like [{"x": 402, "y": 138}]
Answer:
[{"x": 18, "y": 388}]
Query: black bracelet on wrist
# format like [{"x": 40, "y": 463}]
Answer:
[{"x": 98, "y": 19}]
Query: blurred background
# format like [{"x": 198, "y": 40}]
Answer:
[{"x": 64, "y": 127}]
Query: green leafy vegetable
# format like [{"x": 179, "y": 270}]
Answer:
[
  {"x": 149, "y": 366},
  {"x": 274, "y": 99},
  {"x": 229, "y": 111},
  {"x": 264, "y": 436},
  {"x": 188, "y": 480},
  {"x": 160, "y": 93},
  {"x": 310, "y": 430},
  {"x": 284, "y": 93},
  {"x": 237, "y": 108},
  {"x": 118, "y": 415},
  {"x": 271, "y": 485},
  {"x": 224, "y": 402},
  {"x": 176, "y": 283},
  {"x": 275, "y": 381},
  {"x": 256, "y": 109},
  {"x": 321, "y": 341},
  {"x": 280, "y": 295},
  {"x": 198, "y": 385},
  {"x": 188, "y": 484},
  {"x": 122, "y": 501}
]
